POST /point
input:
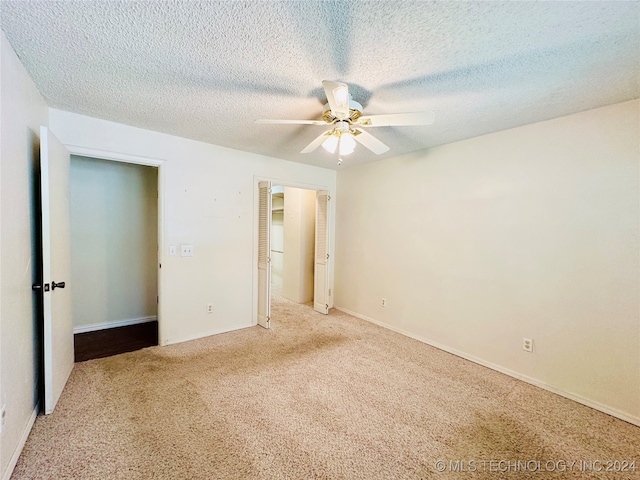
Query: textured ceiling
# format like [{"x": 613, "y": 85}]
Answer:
[{"x": 207, "y": 70}]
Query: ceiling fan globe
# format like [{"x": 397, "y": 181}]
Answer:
[{"x": 347, "y": 144}]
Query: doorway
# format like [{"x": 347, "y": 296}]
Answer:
[
  {"x": 305, "y": 276},
  {"x": 293, "y": 223},
  {"x": 114, "y": 259}
]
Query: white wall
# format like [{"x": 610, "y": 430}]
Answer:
[
  {"x": 529, "y": 232},
  {"x": 299, "y": 230},
  {"x": 277, "y": 241},
  {"x": 210, "y": 201},
  {"x": 114, "y": 240},
  {"x": 23, "y": 111}
]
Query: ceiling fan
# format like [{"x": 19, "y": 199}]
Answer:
[{"x": 348, "y": 124}]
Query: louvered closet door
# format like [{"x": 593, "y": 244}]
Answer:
[
  {"x": 264, "y": 254},
  {"x": 321, "y": 271}
]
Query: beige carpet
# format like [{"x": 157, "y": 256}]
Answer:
[{"x": 314, "y": 397}]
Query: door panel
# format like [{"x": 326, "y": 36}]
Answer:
[
  {"x": 321, "y": 270},
  {"x": 264, "y": 253},
  {"x": 56, "y": 267}
]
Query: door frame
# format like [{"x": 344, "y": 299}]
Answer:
[
  {"x": 150, "y": 162},
  {"x": 332, "y": 221}
]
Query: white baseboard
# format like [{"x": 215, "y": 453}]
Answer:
[
  {"x": 23, "y": 439},
  {"x": 635, "y": 420},
  {"x": 118, "y": 323},
  {"x": 206, "y": 334}
]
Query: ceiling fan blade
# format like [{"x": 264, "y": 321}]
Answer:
[
  {"x": 292, "y": 122},
  {"x": 397, "y": 119},
  {"x": 338, "y": 97},
  {"x": 369, "y": 141},
  {"x": 316, "y": 143}
]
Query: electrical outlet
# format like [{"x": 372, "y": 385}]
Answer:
[
  {"x": 527, "y": 345},
  {"x": 384, "y": 302},
  {"x": 209, "y": 307},
  {"x": 186, "y": 250}
]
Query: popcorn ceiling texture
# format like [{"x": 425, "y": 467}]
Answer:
[{"x": 207, "y": 70}]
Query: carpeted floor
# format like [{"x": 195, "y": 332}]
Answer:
[{"x": 329, "y": 397}]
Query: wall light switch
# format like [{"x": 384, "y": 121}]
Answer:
[
  {"x": 186, "y": 250},
  {"x": 173, "y": 250}
]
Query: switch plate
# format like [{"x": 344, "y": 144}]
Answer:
[
  {"x": 173, "y": 250},
  {"x": 186, "y": 250}
]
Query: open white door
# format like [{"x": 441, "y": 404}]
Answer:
[
  {"x": 56, "y": 267},
  {"x": 321, "y": 270},
  {"x": 264, "y": 253}
]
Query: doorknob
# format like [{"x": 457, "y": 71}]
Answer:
[{"x": 55, "y": 285}]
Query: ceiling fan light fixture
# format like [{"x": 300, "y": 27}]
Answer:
[
  {"x": 347, "y": 144},
  {"x": 330, "y": 144}
]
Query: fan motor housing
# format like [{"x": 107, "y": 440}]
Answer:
[{"x": 355, "y": 112}]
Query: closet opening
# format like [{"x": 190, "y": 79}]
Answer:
[
  {"x": 114, "y": 256},
  {"x": 293, "y": 224},
  {"x": 292, "y": 248}
]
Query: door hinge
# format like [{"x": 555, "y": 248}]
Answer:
[
  {"x": 268, "y": 318},
  {"x": 328, "y": 197},
  {"x": 327, "y": 307},
  {"x": 327, "y": 256}
]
